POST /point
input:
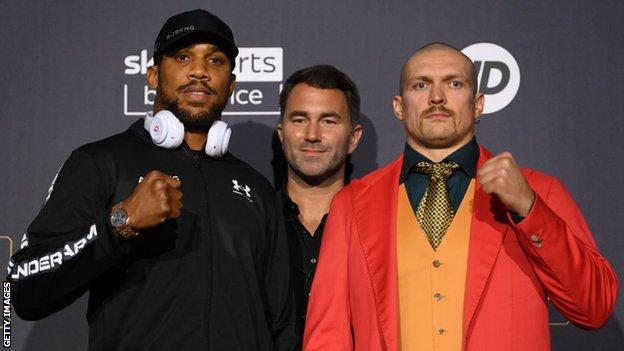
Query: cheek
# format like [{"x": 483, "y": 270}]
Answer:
[
  {"x": 291, "y": 138},
  {"x": 341, "y": 140}
]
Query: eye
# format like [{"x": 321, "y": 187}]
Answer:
[
  {"x": 329, "y": 121},
  {"x": 182, "y": 57},
  {"x": 420, "y": 86},
  {"x": 298, "y": 120},
  {"x": 215, "y": 60},
  {"x": 456, "y": 84}
]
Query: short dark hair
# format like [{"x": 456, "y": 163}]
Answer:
[
  {"x": 441, "y": 45},
  {"x": 324, "y": 77}
]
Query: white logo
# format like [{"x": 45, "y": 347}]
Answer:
[
  {"x": 498, "y": 74},
  {"x": 24, "y": 242},
  {"x": 259, "y": 65},
  {"x": 259, "y": 74},
  {"x": 51, "y": 188},
  {"x": 241, "y": 190},
  {"x": 141, "y": 178}
]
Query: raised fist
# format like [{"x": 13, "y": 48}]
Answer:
[
  {"x": 154, "y": 200},
  {"x": 501, "y": 176}
]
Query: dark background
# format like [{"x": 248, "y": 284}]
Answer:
[{"x": 62, "y": 73}]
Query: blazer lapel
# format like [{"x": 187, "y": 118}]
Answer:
[
  {"x": 488, "y": 229},
  {"x": 375, "y": 217}
]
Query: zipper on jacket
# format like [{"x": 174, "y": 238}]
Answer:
[{"x": 208, "y": 232}]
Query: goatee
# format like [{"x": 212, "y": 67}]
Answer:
[{"x": 198, "y": 122}]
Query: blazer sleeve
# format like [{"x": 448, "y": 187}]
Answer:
[
  {"x": 328, "y": 321},
  {"x": 561, "y": 249}
]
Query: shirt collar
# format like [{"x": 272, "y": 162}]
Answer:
[
  {"x": 287, "y": 202},
  {"x": 466, "y": 157}
]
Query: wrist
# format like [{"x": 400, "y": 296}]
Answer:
[
  {"x": 120, "y": 220},
  {"x": 527, "y": 205}
]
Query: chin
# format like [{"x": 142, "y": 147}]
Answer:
[{"x": 439, "y": 143}]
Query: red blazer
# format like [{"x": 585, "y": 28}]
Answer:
[{"x": 512, "y": 270}]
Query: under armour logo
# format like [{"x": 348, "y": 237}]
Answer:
[{"x": 241, "y": 190}]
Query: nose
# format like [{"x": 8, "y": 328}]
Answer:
[
  {"x": 312, "y": 132},
  {"x": 199, "y": 70},
  {"x": 436, "y": 97}
]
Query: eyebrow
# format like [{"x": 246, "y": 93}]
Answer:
[
  {"x": 323, "y": 114},
  {"x": 445, "y": 78}
]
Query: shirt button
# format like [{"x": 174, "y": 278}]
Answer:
[
  {"x": 437, "y": 296},
  {"x": 313, "y": 260},
  {"x": 436, "y": 263},
  {"x": 440, "y": 331}
]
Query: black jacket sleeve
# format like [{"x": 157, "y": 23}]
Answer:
[
  {"x": 278, "y": 285},
  {"x": 69, "y": 244}
]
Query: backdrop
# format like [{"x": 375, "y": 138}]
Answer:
[{"x": 74, "y": 72}]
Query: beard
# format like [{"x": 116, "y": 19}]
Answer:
[
  {"x": 313, "y": 170},
  {"x": 198, "y": 122}
]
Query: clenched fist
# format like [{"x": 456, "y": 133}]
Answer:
[
  {"x": 156, "y": 199},
  {"x": 501, "y": 176}
]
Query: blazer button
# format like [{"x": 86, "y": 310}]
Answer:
[
  {"x": 537, "y": 241},
  {"x": 440, "y": 331},
  {"x": 436, "y": 263},
  {"x": 437, "y": 296}
]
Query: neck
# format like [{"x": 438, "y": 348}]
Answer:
[
  {"x": 195, "y": 140},
  {"x": 313, "y": 199},
  {"x": 436, "y": 154}
]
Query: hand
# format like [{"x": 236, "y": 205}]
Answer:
[
  {"x": 501, "y": 176},
  {"x": 156, "y": 199}
]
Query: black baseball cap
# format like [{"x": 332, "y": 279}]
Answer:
[{"x": 193, "y": 25}]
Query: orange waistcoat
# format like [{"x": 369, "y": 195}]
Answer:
[{"x": 431, "y": 283}]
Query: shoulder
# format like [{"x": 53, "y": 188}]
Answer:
[
  {"x": 245, "y": 169},
  {"x": 381, "y": 175},
  {"x": 122, "y": 142}
]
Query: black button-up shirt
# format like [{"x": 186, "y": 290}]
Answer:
[
  {"x": 304, "y": 251},
  {"x": 416, "y": 183}
]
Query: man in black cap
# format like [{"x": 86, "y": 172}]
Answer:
[{"x": 207, "y": 271}]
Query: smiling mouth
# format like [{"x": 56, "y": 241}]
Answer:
[{"x": 313, "y": 151}]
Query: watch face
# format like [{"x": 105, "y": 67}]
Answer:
[{"x": 118, "y": 218}]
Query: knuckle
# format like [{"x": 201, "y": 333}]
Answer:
[{"x": 165, "y": 207}]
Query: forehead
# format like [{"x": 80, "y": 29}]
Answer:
[
  {"x": 304, "y": 94},
  {"x": 438, "y": 62}
]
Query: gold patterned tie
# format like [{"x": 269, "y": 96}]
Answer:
[{"x": 434, "y": 210}]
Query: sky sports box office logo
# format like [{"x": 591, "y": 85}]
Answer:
[{"x": 259, "y": 74}]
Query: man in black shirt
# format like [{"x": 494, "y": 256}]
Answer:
[
  {"x": 319, "y": 128},
  {"x": 180, "y": 245}
]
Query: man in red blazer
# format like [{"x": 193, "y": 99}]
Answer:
[{"x": 526, "y": 242}]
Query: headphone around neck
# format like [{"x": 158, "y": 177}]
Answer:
[{"x": 168, "y": 132}]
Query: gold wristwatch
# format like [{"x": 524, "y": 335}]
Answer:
[{"x": 119, "y": 221}]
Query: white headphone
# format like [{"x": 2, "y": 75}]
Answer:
[{"x": 168, "y": 132}]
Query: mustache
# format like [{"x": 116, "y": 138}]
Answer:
[
  {"x": 198, "y": 82},
  {"x": 437, "y": 108}
]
